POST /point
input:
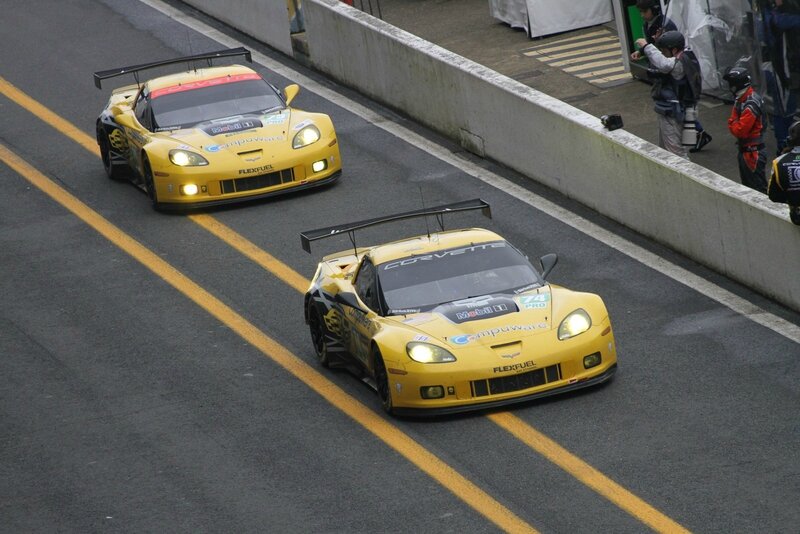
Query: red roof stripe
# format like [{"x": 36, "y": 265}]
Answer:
[{"x": 204, "y": 83}]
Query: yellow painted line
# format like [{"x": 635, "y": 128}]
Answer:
[
  {"x": 545, "y": 57},
  {"x": 595, "y": 73},
  {"x": 613, "y": 53},
  {"x": 598, "y": 41},
  {"x": 249, "y": 249},
  {"x": 568, "y": 462},
  {"x": 586, "y": 473},
  {"x": 593, "y": 65},
  {"x": 87, "y": 142},
  {"x": 392, "y": 436},
  {"x": 568, "y": 39}
]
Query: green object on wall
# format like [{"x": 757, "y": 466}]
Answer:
[{"x": 636, "y": 24}]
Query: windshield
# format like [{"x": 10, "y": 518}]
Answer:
[
  {"x": 191, "y": 104},
  {"x": 423, "y": 281}
]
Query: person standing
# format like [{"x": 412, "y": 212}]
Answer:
[
  {"x": 655, "y": 24},
  {"x": 784, "y": 182},
  {"x": 781, "y": 36},
  {"x": 676, "y": 86},
  {"x": 746, "y": 124}
]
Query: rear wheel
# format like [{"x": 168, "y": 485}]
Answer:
[
  {"x": 382, "y": 382},
  {"x": 115, "y": 172},
  {"x": 316, "y": 325},
  {"x": 149, "y": 184}
]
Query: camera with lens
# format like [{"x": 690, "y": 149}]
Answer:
[
  {"x": 612, "y": 122},
  {"x": 655, "y": 75}
]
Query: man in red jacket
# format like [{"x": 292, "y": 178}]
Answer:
[{"x": 745, "y": 123}]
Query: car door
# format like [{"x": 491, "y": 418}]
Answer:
[
  {"x": 137, "y": 135},
  {"x": 361, "y": 324}
]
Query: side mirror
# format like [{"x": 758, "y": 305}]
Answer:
[
  {"x": 348, "y": 299},
  {"x": 548, "y": 261},
  {"x": 290, "y": 92}
]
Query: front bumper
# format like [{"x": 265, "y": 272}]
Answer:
[
  {"x": 446, "y": 410},
  {"x": 206, "y": 203}
]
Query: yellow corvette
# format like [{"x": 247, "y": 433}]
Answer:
[
  {"x": 212, "y": 135},
  {"x": 454, "y": 320}
]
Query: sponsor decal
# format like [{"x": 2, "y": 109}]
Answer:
[
  {"x": 117, "y": 140},
  {"x": 404, "y": 311},
  {"x": 232, "y": 127},
  {"x": 200, "y": 84},
  {"x": 240, "y": 142},
  {"x": 526, "y": 288},
  {"x": 481, "y": 312},
  {"x": 463, "y": 339},
  {"x": 277, "y": 118},
  {"x": 439, "y": 255},
  {"x": 534, "y": 301},
  {"x": 477, "y": 308},
  {"x": 515, "y": 367},
  {"x": 256, "y": 170},
  {"x": 420, "y": 337},
  {"x": 422, "y": 318}
]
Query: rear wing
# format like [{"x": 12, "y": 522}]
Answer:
[
  {"x": 135, "y": 69},
  {"x": 313, "y": 235}
]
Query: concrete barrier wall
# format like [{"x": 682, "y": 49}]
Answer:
[
  {"x": 266, "y": 20},
  {"x": 717, "y": 222}
]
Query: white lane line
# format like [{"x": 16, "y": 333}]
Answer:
[{"x": 643, "y": 256}]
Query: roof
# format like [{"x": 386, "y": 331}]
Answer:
[{"x": 196, "y": 75}]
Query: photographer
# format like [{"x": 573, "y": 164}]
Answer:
[{"x": 676, "y": 86}]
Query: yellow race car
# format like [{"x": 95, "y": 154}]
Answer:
[
  {"x": 212, "y": 135},
  {"x": 453, "y": 320}
]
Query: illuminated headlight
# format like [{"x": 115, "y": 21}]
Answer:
[
  {"x": 427, "y": 353},
  {"x": 306, "y": 136},
  {"x": 319, "y": 166},
  {"x": 189, "y": 189},
  {"x": 184, "y": 158},
  {"x": 575, "y": 323}
]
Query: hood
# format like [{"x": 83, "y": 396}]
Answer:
[
  {"x": 247, "y": 136},
  {"x": 488, "y": 320}
]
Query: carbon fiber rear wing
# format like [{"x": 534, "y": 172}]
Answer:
[
  {"x": 135, "y": 69},
  {"x": 313, "y": 235}
]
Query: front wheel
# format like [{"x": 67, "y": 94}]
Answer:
[
  {"x": 382, "y": 382},
  {"x": 149, "y": 184},
  {"x": 115, "y": 172}
]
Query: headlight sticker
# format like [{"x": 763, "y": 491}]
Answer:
[{"x": 302, "y": 124}]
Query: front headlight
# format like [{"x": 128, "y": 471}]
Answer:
[
  {"x": 575, "y": 323},
  {"x": 427, "y": 353},
  {"x": 306, "y": 136},
  {"x": 185, "y": 158}
]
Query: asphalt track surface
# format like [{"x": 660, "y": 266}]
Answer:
[{"x": 156, "y": 374}]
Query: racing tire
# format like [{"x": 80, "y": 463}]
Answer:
[
  {"x": 319, "y": 333},
  {"x": 382, "y": 382},
  {"x": 149, "y": 184},
  {"x": 114, "y": 172}
]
